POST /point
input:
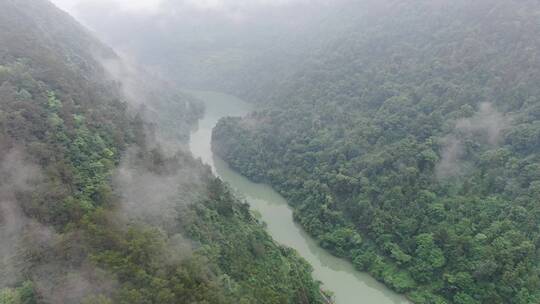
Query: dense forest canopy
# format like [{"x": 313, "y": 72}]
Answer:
[
  {"x": 405, "y": 135},
  {"x": 94, "y": 209},
  {"x": 410, "y": 144}
]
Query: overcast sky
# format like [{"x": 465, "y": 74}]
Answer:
[
  {"x": 154, "y": 6},
  {"x": 128, "y": 5}
]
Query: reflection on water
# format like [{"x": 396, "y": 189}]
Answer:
[{"x": 339, "y": 276}]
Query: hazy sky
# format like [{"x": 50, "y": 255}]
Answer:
[
  {"x": 128, "y": 5},
  {"x": 154, "y": 6}
]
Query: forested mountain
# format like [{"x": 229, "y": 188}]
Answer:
[
  {"x": 92, "y": 210},
  {"x": 410, "y": 145},
  {"x": 239, "y": 47}
]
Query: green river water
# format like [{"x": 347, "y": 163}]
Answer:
[{"x": 339, "y": 276}]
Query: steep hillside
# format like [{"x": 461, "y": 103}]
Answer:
[
  {"x": 410, "y": 145},
  {"x": 91, "y": 208}
]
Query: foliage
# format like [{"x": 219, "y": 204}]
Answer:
[
  {"x": 25, "y": 294},
  {"x": 62, "y": 113},
  {"x": 417, "y": 129},
  {"x": 258, "y": 269}
]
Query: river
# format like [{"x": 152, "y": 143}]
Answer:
[{"x": 339, "y": 276}]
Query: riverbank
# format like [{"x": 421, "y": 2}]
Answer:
[{"x": 348, "y": 285}]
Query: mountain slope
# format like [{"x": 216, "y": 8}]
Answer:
[
  {"x": 91, "y": 209},
  {"x": 410, "y": 145}
]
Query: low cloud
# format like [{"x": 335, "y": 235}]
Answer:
[
  {"x": 486, "y": 125},
  {"x": 168, "y": 112},
  {"x": 32, "y": 250},
  {"x": 16, "y": 229},
  {"x": 450, "y": 156},
  {"x": 487, "y": 122},
  {"x": 156, "y": 194},
  {"x": 57, "y": 283}
]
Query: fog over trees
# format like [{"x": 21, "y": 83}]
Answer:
[
  {"x": 404, "y": 135},
  {"x": 100, "y": 201}
]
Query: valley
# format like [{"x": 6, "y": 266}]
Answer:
[{"x": 339, "y": 276}]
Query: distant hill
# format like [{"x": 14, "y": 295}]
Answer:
[{"x": 242, "y": 48}]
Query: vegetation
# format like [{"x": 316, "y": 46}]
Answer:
[
  {"x": 255, "y": 266},
  {"x": 410, "y": 145},
  {"x": 65, "y": 131}
]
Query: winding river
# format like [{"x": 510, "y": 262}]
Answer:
[{"x": 348, "y": 285}]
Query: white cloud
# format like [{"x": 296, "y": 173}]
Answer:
[{"x": 487, "y": 125}]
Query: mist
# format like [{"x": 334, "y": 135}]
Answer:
[
  {"x": 158, "y": 195},
  {"x": 17, "y": 176},
  {"x": 394, "y": 139},
  {"x": 150, "y": 7},
  {"x": 30, "y": 248},
  {"x": 485, "y": 126},
  {"x": 214, "y": 44}
]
